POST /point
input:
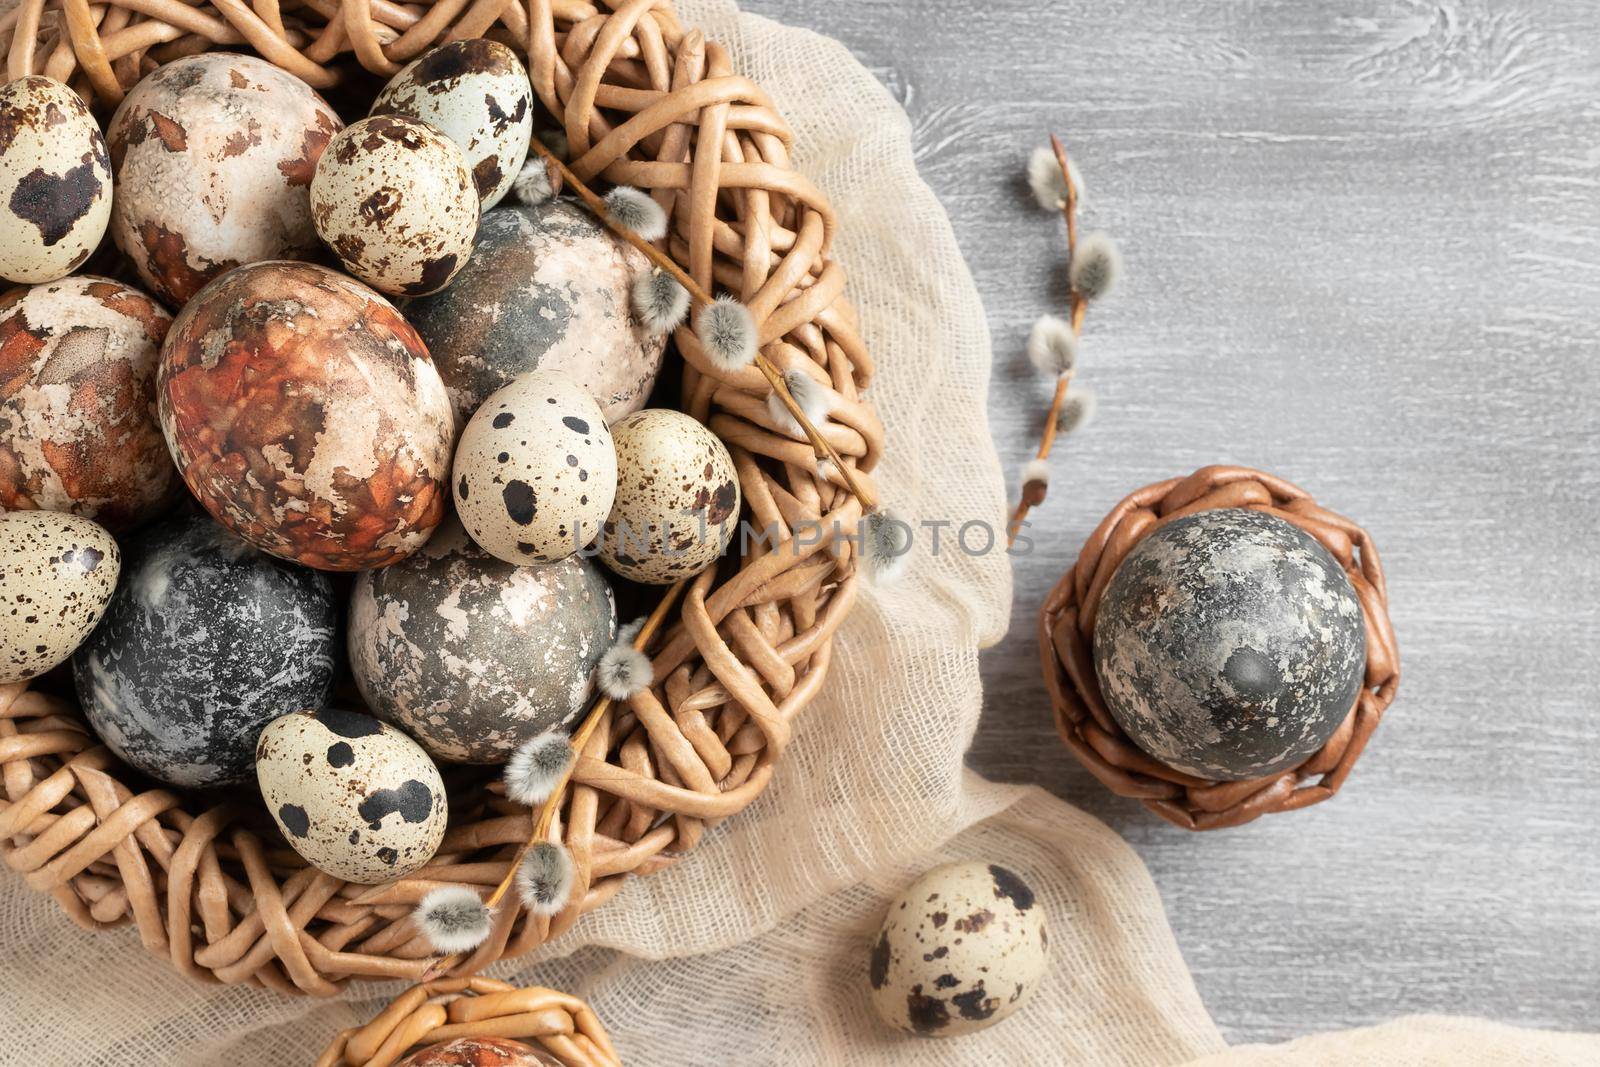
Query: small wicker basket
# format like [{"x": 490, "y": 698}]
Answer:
[
  {"x": 1066, "y": 637},
  {"x": 435, "y": 1012},
  {"x": 641, "y": 101}
]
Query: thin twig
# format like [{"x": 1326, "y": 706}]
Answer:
[
  {"x": 1077, "y": 307},
  {"x": 819, "y": 444}
]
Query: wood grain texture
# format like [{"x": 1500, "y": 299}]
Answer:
[{"x": 1363, "y": 248}]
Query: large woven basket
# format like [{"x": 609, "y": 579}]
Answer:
[
  {"x": 1066, "y": 639},
  {"x": 641, "y": 101}
]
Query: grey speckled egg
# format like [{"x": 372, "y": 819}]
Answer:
[
  {"x": 476, "y": 92},
  {"x": 57, "y": 574},
  {"x": 962, "y": 948},
  {"x": 472, "y": 656},
  {"x": 535, "y": 470},
  {"x": 677, "y": 502},
  {"x": 547, "y": 288},
  {"x": 214, "y": 154},
  {"x": 55, "y": 181},
  {"x": 1230, "y": 645},
  {"x": 394, "y": 200},
  {"x": 206, "y": 641},
  {"x": 356, "y": 798}
]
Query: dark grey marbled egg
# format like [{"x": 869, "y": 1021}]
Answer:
[
  {"x": 206, "y": 641},
  {"x": 1230, "y": 645},
  {"x": 356, "y": 798},
  {"x": 473, "y": 656},
  {"x": 545, "y": 288}
]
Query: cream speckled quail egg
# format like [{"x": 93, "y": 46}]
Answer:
[
  {"x": 356, "y": 798},
  {"x": 477, "y": 93},
  {"x": 963, "y": 947},
  {"x": 55, "y": 181},
  {"x": 214, "y": 154},
  {"x": 535, "y": 470},
  {"x": 394, "y": 200},
  {"x": 677, "y": 502},
  {"x": 57, "y": 574}
]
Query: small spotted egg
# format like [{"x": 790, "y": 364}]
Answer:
[
  {"x": 476, "y": 92},
  {"x": 394, "y": 200},
  {"x": 535, "y": 470},
  {"x": 356, "y": 798},
  {"x": 78, "y": 428},
  {"x": 57, "y": 574},
  {"x": 677, "y": 504},
  {"x": 962, "y": 948},
  {"x": 55, "y": 181}
]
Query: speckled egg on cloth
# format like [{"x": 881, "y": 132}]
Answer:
[
  {"x": 471, "y": 655},
  {"x": 1230, "y": 645},
  {"x": 206, "y": 641},
  {"x": 55, "y": 181},
  {"x": 355, "y": 797},
  {"x": 306, "y": 416},
  {"x": 394, "y": 200},
  {"x": 214, "y": 156},
  {"x": 480, "y": 1052},
  {"x": 57, "y": 574},
  {"x": 78, "y": 428},
  {"x": 535, "y": 470},
  {"x": 962, "y": 948},
  {"x": 677, "y": 503},
  {"x": 546, "y": 288},
  {"x": 476, "y": 92}
]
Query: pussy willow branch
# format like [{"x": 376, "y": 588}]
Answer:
[
  {"x": 1077, "y": 305},
  {"x": 819, "y": 444}
]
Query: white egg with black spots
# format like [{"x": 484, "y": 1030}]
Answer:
[
  {"x": 471, "y": 655},
  {"x": 55, "y": 181},
  {"x": 962, "y": 948},
  {"x": 535, "y": 470},
  {"x": 356, "y": 798},
  {"x": 393, "y": 198},
  {"x": 476, "y": 92},
  {"x": 207, "y": 640},
  {"x": 57, "y": 574},
  {"x": 677, "y": 503}
]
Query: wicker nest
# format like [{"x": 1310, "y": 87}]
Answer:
[
  {"x": 429, "y": 1014},
  {"x": 1066, "y": 640},
  {"x": 642, "y": 101}
]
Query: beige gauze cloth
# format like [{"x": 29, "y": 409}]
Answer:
[{"x": 753, "y": 950}]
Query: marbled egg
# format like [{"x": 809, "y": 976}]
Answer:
[
  {"x": 476, "y": 92},
  {"x": 547, "y": 288},
  {"x": 307, "y": 417},
  {"x": 78, "y": 428},
  {"x": 962, "y": 948},
  {"x": 535, "y": 470},
  {"x": 206, "y": 641},
  {"x": 471, "y": 655},
  {"x": 677, "y": 503},
  {"x": 55, "y": 181},
  {"x": 57, "y": 574},
  {"x": 480, "y": 1052},
  {"x": 356, "y": 798},
  {"x": 394, "y": 200},
  {"x": 1230, "y": 645},
  {"x": 214, "y": 156}
]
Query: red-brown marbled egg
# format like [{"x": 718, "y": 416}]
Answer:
[
  {"x": 307, "y": 417},
  {"x": 78, "y": 425},
  {"x": 481, "y": 1052},
  {"x": 214, "y": 156}
]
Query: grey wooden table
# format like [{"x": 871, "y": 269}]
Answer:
[{"x": 1363, "y": 247}]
